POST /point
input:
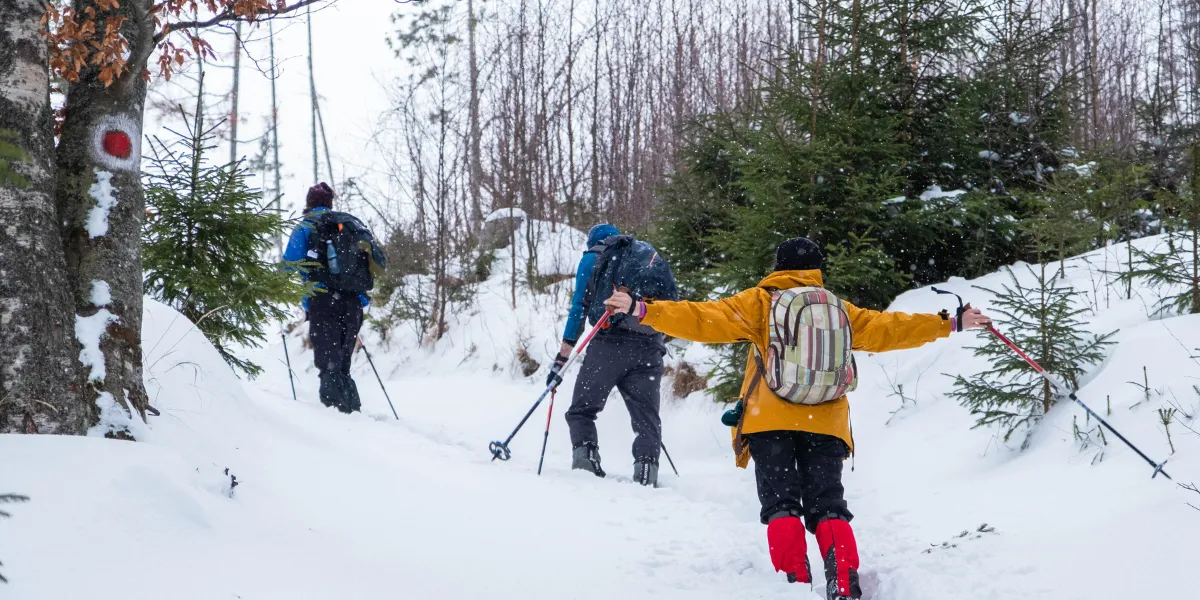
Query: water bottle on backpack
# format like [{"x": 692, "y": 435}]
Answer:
[{"x": 331, "y": 256}]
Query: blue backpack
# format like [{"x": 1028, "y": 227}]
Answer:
[{"x": 624, "y": 261}]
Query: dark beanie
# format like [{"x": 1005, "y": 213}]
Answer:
[
  {"x": 799, "y": 254},
  {"x": 319, "y": 195}
]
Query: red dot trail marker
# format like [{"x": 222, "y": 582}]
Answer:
[{"x": 117, "y": 144}]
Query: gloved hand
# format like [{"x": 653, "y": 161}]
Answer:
[
  {"x": 554, "y": 378},
  {"x": 733, "y": 415}
]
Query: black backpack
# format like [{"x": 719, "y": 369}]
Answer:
[
  {"x": 624, "y": 261},
  {"x": 345, "y": 253}
]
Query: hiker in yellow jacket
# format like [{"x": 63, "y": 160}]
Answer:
[{"x": 798, "y": 448}]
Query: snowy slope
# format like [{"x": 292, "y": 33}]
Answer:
[{"x": 365, "y": 506}]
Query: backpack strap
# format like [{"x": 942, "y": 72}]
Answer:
[
  {"x": 599, "y": 250},
  {"x": 739, "y": 442}
]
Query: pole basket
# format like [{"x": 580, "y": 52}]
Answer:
[{"x": 499, "y": 450}]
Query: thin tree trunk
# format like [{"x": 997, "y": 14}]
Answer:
[
  {"x": 595, "y": 132},
  {"x": 312, "y": 95},
  {"x": 572, "y": 187},
  {"x": 475, "y": 166},
  {"x": 1195, "y": 225},
  {"x": 40, "y": 373},
  {"x": 233, "y": 96},
  {"x": 275, "y": 134},
  {"x": 1094, "y": 52},
  {"x": 101, "y": 206}
]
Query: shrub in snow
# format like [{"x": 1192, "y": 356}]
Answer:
[
  {"x": 685, "y": 381},
  {"x": 1041, "y": 317},
  {"x": 203, "y": 248}
]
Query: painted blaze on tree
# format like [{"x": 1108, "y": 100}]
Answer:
[{"x": 90, "y": 185}]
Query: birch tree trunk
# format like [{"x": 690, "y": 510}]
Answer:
[
  {"x": 101, "y": 206},
  {"x": 40, "y": 375}
]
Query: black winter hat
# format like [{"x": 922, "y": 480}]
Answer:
[
  {"x": 799, "y": 254},
  {"x": 319, "y": 195}
]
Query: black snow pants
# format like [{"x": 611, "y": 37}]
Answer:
[
  {"x": 799, "y": 473},
  {"x": 634, "y": 364},
  {"x": 334, "y": 319}
]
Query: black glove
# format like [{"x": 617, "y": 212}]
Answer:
[{"x": 553, "y": 379}]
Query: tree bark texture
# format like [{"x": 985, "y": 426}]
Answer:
[
  {"x": 88, "y": 166},
  {"x": 40, "y": 375}
]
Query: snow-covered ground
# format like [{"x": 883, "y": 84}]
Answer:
[{"x": 365, "y": 506}]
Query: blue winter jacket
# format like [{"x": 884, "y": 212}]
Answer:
[
  {"x": 298, "y": 246},
  {"x": 576, "y": 318}
]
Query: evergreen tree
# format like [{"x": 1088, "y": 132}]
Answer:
[
  {"x": 1040, "y": 316},
  {"x": 1174, "y": 265},
  {"x": 860, "y": 265},
  {"x": 1059, "y": 220},
  {"x": 204, "y": 242}
]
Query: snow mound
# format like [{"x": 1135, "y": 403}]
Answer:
[{"x": 238, "y": 490}]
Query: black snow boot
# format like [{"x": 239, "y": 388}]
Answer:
[
  {"x": 645, "y": 473},
  {"x": 587, "y": 458},
  {"x": 838, "y": 548}
]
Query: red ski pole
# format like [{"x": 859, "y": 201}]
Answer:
[{"x": 546, "y": 436}]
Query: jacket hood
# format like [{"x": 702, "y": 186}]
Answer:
[
  {"x": 601, "y": 232},
  {"x": 782, "y": 280}
]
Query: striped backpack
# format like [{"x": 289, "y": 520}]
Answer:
[{"x": 809, "y": 358}]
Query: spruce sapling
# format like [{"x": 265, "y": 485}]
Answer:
[
  {"x": 205, "y": 240},
  {"x": 1042, "y": 317}
]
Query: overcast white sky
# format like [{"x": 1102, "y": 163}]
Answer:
[{"x": 351, "y": 63}]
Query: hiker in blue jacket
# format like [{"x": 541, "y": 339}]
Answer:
[
  {"x": 631, "y": 361},
  {"x": 334, "y": 316}
]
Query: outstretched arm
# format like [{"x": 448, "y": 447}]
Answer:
[
  {"x": 737, "y": 318},
  {"x": 876, "y": 331}
]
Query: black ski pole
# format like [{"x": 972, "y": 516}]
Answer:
[
  {"x": 500, "y": 449},
  {"x": 668, "y": 455},
  {"x": 1062, "y": 388},
  {"x": 289, "y": 364},
  {"x": 378, "y": 378}
]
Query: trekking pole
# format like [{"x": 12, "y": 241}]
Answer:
[
  {"x": 377, "y": 377},
  {"x": 500, "y": 449},
  {"x": 546, "y": 437},
  {"x": 288, "y": 358},
  {"x": 668, "y": 455},
  {"x": 1061, "y": 388}
]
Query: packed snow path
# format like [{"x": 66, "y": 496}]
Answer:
[{"x": 365, "y": 506}]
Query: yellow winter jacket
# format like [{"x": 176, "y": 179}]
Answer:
[{"x": 743, "y": 318}]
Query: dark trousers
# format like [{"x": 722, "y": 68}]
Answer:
[
  {"x": 334, "y": 319},
  {"x": 635, "y": 366},
  {"x": 799, "y": 473}
]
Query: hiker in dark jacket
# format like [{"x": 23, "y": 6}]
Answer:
[
  {"x": 334, "y": 317},
  {"x": 631, "y": 361}
]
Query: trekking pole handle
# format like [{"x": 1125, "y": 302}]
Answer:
[{"x": 962, "y": 308}]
